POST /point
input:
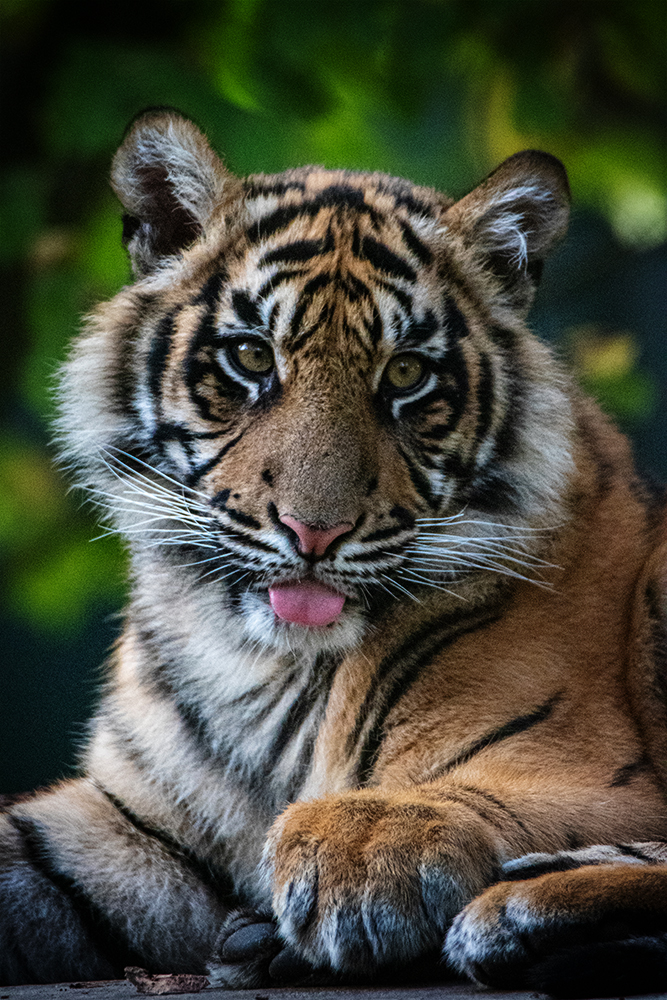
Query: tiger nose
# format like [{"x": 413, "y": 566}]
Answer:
[{"x": 315, "y": 539}]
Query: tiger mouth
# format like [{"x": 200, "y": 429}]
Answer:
[{"x": 306, "y": 602}]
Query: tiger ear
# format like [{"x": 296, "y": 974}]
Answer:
[
  {"x": 513, "y": 219},
  {"x": 169, "y": 181}
]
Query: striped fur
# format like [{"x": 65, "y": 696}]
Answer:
[{"x": 493, "y": 686}]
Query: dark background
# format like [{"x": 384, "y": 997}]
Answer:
[{"x": 436, "y": 90}]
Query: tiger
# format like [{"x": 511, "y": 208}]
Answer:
[{"x": 390, "y": 698}]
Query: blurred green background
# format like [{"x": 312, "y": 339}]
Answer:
[{"x": 437, "y": 90}]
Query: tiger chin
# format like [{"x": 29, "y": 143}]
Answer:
[{"x": 390, "y": 697}]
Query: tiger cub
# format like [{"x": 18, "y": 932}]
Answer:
[{"x": 394, "y": 662}]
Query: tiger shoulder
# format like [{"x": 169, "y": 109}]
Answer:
[{"x": 390, "y": 698}]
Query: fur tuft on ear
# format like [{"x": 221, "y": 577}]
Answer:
[
  {"x": 513, "y": 220},
  {"x": 169, "y": 181}
]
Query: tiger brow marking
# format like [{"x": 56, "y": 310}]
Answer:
[
  {"x": 108, "y": 940},
  {"x": 515, "y": 726},
  {"x": 246, "y": 310},
  {"x": 418, "y": 331},
  {"x": 401, "y": 668}
]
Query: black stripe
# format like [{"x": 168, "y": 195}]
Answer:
[
  {"x": 374, "y": 327},
  {"x": 418, "y": 331},
  {"x": 217, "y": 880},
  {"x": 158, "y": 356},
  {"x": 382, "y": 259},
  {"x": 201, "y": 470},
  {"x": 419, "y": 480},
  {"x": 456, "y": 324},
  {"x": 404, "y": 198},
  {"x": 317, "y": 688},
  {"x": 514, "y": 390},
  {"x": 210, "y": 291},
  {"x": 122, "y": 378},
  {"x": 484, "y": 398},
  {"x": 495, "y": 492},
  {"x": 342, "y": 196},
  {"x": 246, "y": 310},
  {"x": 275, "y": 222},
  {"x": 498, "y": 803},
  {"x": 299, "y": 337},
  {"x": 625, "y": 774},
  {"x": 400, "y": 669},
  {"x": 634, "y": 851},
  {"x": 383, "y": 533},
  {"x": 200, "y": 367},
  {"x": 415, "y": 245},
  {"x": 107, "y": 938},
  {"x": 543, "y": 866},
  {"x": 272, "y": 283},
  {"x": 335, "y": 196},
  {"x": 158, "y": 678},
  {"x": 355, "y": 288},
  {"x": 520, "y": 724},
  {"x": 248, "y": 542},
  {"x": 299, "y": 250},
  {"x": 403, "y": 298},
  {"x": 259, "y": 189},
  {"x": 220, "y": 502}
]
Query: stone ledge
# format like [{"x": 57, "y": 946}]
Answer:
[{"x": 123, "y": 990}]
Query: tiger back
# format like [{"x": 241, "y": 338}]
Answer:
[{"x": 389, "y": 698}]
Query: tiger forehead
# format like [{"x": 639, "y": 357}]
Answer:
[{"x": 325, "y": 248}]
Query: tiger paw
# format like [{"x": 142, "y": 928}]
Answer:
[
  {"x": 363, "y": 883},
  {"x": 249, "y": 953},
  {"x": 591, "y": 931}
]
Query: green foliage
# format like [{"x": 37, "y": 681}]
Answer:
[{"x": 438, "y": 90}]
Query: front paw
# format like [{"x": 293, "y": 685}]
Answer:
[
  {"x": 361, "y": 882},
  {"x": 588, "y": 931}
]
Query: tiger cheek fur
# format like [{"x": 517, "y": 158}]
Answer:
[{"x": 396, "y": 629}]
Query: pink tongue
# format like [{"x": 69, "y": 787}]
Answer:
[{"x": 306, "y": 603}]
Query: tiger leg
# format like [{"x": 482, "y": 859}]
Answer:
[
  {"x": 572, "y": 924},
  {"x": 84, "y": 892}
]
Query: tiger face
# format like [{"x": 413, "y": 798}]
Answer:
[{"x": 332, "y": 401}]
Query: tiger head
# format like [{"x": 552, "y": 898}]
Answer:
[{"x": 319, "y": 394}]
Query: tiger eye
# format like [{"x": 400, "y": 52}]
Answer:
[
  {"x": 254, "y": 356},
  {"x": 404, "y": 371}
]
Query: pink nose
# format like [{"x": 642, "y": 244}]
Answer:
[{"x": 314, "y": 540}]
